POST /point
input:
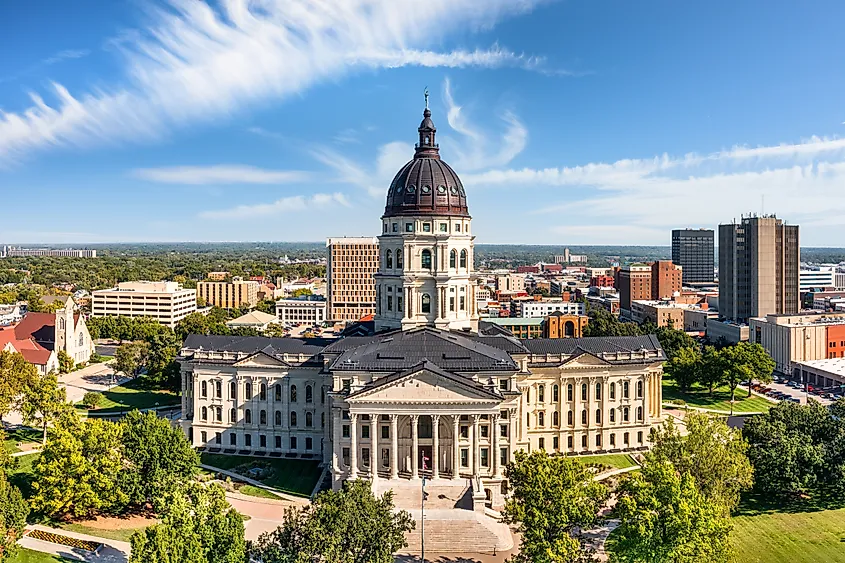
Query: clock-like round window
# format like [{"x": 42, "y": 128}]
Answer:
[
  {"x": 412, "y": 188},
  {"x": 426, "y": 189},
  {"x": 398, "y": 189},
  {"x": 454, "y": 190},
  {"x": 441, "y": 189}
]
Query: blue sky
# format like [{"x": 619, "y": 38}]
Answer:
[{"x": 570, "y": 122}]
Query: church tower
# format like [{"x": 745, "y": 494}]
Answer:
[{"x": 425, "y": 275}]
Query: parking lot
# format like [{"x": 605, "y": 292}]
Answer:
[{"x": 787, "y": 391}]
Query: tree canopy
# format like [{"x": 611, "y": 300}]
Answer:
[
  {"x": 13, "y": 513},
  {"x": 15, "y": 373}
]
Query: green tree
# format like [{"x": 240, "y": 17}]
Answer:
[
  {"x": 66, "y": 363},
  {"x": 6, "y": 459},
  {"x": 712, "y": 371},
  {"x": 665, "y": 519},
  {"x": 551, "y": 496},
  {"x": 157, "y": 454},
  {"x": 162, "y": 367},
  {"x": 347, "y": 526},
  {"x": 747, "y": 362},
  {"x": 13, "y": 513},
  {"x": 77, "y": 473},
  {"x": 197, "y": 526},
  {"x": 673, "y": 340},
  {"x": 131, "y": 357},
  {"x": 43, "y": 402},
  {"x": 92, "y": 399},
  {"x": 301, "y": 292},
  {"x": 684, "y": 367},
  {"x": 15, "y": 372},
  {"x": 603, "y": 323},
  {"x": 713, "y": 454}
]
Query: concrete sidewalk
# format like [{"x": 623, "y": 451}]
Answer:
[{"x": 112, "y": 551}]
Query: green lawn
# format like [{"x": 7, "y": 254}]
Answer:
[
  {"x": 29, "y": 556},
  {"x": 614, "y": 461},
  {"x": 294, "y": 476},
  {"x": 720, "y": 400},
  {"x": 123, "y": 534},
  {"x": 134, "y": 394},
  {"x": 254, "y": 491},
  {"x": 22, "y": 475},
  {"x": 20, "y": 434}
]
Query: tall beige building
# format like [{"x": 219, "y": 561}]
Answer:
[
  {"x": 758, "y": 268},
  {"x": 229, "y": 295},
  {"x": 350, "y": 271},
  {"x": 167, "y": 302}
]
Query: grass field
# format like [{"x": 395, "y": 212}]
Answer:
[
  {"x": 294, "y": 476},
  {"x": 29, "y": 556},
  {"x": 21, "y": 434},
  {"x": 134, "y": 394},
  {"x": 254, "y": 491},
  {"x": 615, "y": 461},
  {"x": 22, "y": 475},
  {"x": 719, "y": 401}
]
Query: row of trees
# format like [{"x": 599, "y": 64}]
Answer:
[{"x": 37, "y": 397}]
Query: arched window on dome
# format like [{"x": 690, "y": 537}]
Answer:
[
  {"x": 427, "y": 140},
  {"x": 453, "y": 259},
  {"x": 463, "y": 258},
  {"x": 388, "y": 259},
  {"x": 426, "y": 303},
  {"x": 399, "y": 257},
  {"x": 426, "y": 259}
]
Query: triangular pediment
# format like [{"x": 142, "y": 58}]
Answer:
[
  {"x": 585, "y": 359},
  {"x": 425, "y": 386},
  {"x": 261, "y": 360}
]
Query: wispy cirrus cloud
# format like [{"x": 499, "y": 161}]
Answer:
[
  {"x": 196, "y": 63},
  {"x": 219, "y": 174},
  {"x": 278, "y": 207},
  {"x": 66, "y": 55}
]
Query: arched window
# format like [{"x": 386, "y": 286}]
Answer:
[
  {"x": 584, "y": 416},
  {"x": 639, "y": 413},
  {"x": 293, "y": 418},
  {"x": 426, "y": 259},
  {"x": 569, "y": 329},
  {"x": 598, "y": 391},
  {"x": 570, "y": 418},
  {"x": 541, "y": 418},
  {"x": 625, "y": 390},
  {"x": 556, "y": 418},
  {"x": 598, "y": 416},
  {"x": 555, "y": 393},
  {"x": 625, "y": 414},
  {"x": 426, "y": 303},
  {"x": 541, "y": 393},
  {"x": 218, "y": 389},
  {"x": 309, "y": 420},
  {"x": 204, "y": 414},
  {"x": 278, "y": 418},
  {"x": 233, "y": 390},
  {"x": 262, "y": 392},
  {"x": 612, "y": 415},
  {"x": 203, "y": 389},
  {"x": 463, "y": 258},
  {"x": 248, "y": 391},
  {"x": 388, "y": 259},
  {"x": 453, "y": 259},
  {"x": 233, "y": 415},
  {"x": 262, "y": 417},
  {"x": 612, "y": 390},
  {"x": 81, "y": 340},
  {"x": 583, "y": 391},
  {"x": 309, "y": 394},
  {"x": 61, "y": 324},
  {"x": 400, "y": 257},
  {"x": 248, "y": 416},
  {"x": 569, "y": 392},
  {"x": 639, "y": 389},
  {"x": 278, "y": 391},
  {"x": 293, "y": 393},
  {"x": 218, "y": 414}
]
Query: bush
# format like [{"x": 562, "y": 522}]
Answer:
[
  {"x": 92, "y": 399},
  {"x": 679, "y": 402},
  {"x": 95, "y": 359}
]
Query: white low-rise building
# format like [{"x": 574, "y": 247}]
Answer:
[
  {"x": 544, "y": 308},
  {"x": 302, "y": 310},
  {"x": 254, "y": 319},
  {"x": 166, "y": 302}
]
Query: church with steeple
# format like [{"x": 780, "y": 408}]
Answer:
[{"x": 434, "y": 391}]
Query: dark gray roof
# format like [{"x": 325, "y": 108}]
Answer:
[
  {"x": 509, "y": 344},
  {"x": 401, "y": 350},
  {"x": 596, "y": 345},
  {"x": 251, "y": 344},
  {"x": 426, "y": 365}
]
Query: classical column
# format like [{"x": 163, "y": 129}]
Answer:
[
  {"x": 495, "y": 443},
  {"x": 394, "y": 446},
  {"x": 659, "y": 385},
  {"x": 375, "y": 456},
  {"x": 456, "y": 447},
  {"x": 435, "y": 451},
  {"x": 415, "y": 419},
  {"x": 336, "y": 440},
  {"x": 353, "y": 450},
  {"x": 473, "y": 455}
]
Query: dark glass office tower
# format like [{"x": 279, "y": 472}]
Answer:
[{"x": 693, "y": 250}]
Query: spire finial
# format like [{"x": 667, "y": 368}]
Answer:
[{"x": 426, "y": 97}]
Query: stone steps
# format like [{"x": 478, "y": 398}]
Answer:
[
  {"x": 471, "y": 533},
  {"x": 442, "y": 493}
]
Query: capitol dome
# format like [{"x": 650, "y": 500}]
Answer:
[{"x": 426, "y": 185}]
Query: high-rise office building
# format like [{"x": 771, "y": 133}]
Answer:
[
  {"x": 693, "y": 250},
  {"x": 229, "y": 295},
  {"x": 350, "y": 269},
  {"x": 758, "y": 268},
  {"x": 657, "y": 280}
]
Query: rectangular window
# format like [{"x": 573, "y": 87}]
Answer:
[
  {"x": 503, "y": 384},
  {"x": 462, "y": 303},
  {"x": 457, "y": 227},
  {"x": 395, "y": 227},
  {"x": 485, "y": 457},
  {"x": 612, "y": 440},
  {"x": 217, "y": 438},
  {"x": 556, "y": 443},
  {"x": 640, "y": 437},
  {"x": 345, "y": 431},
  {"x": 503, "y": 430},
  {"x": 464, "y": 457},
  {"x": 485, "y": 431},
  {"x": 426, "y": 227},
  {"x": 233, "y": 439},
  {"x": 444, "y": 228},
  {"x": 385, "y": 457},
  {"x": 465, "y": 432},
  {"x": 248, "y": 440},
  {"x": 385, "y": 432},
  {"x": 503, "y": 456},
  {"x": 541, "y": 443},
  {"x": 293, "y": 442},
  {"x": 451, "y": 303},
  {"x": 389, "y": 302},
  {"x": 583, "y": 441},
  {"x": 309, "y": 444},
  {"x": 262, "y": 441},
  {"x": 345, "y": 456},
  {"x": 278, "y": 442},
  {"x": 365, "y": 432},
  {"x": 409, "y": 227},
  {"x": 365, "y": 456},
  {"x": 569, "y": 442}
]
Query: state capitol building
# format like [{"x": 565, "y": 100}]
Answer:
[{"x": 434, "y": 390}]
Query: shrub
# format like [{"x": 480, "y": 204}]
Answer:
[{"x": 92, "y": 399}]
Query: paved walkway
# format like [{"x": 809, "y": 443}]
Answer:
[
  {"x": 265, "y": 515},
  {"x": 112, "y": 551}
]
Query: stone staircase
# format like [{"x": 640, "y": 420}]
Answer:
[
  {"x": 442, "y": 493},
  {"x": 458, "y": 531}
]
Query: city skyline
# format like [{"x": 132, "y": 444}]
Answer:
[{"x": 149, "y": 125}]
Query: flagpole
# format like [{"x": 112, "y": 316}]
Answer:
[{"x": 422, "y": 520}]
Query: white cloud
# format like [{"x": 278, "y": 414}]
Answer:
[
  {"x": 66, "y": 55},
  {"x": 220, "y": 174},
  {"x": 278, "y": 207},
  {"x": 195, "y": 63},
  {"x": 373, "y": 180}
]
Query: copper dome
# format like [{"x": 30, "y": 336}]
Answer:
[{"x": 426, "y": 185}]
